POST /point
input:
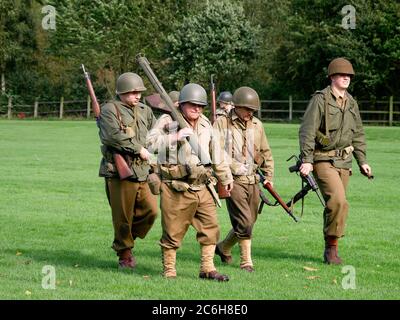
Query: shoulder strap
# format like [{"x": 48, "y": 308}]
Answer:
[
  {"x": 121, "y": 126},
  {"x": 326, "y": 98}
]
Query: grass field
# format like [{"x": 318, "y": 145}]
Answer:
[{"x": 54, "y": 212}]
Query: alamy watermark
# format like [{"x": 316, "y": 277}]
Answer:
[
  {"x": 49, "y": 20},
  {"x": 49, "y": 278},
  {"x": 349, "y": 280},
  {"x": 349, "y": 19}
]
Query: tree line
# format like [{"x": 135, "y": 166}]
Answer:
[{"x": 275, "y": 46}]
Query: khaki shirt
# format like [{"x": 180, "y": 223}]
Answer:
[
  {"x": 344, "y": 124},
  {"x": 162, "y": 142},
  {"x": 244, "y": 144},
  {"x": 126, "y": 135}
]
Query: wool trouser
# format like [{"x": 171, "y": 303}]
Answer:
[
  {"x": 134, "y": 210},
  {"x": 243, "y": 208},
  {"x": 180, "y": 209},
  {"x": 333, "y": 182}
]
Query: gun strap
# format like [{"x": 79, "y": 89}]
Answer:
[
  {"x": 326, "y": 98},
  {"x": 119, "y": 118}
]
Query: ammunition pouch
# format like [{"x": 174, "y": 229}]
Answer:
[
  {"x": 199, "y": 175},
  {"x": 322, "y": 139},
  {"x": 154, "y": 183},
  {"x": 173, "y": 172},
  {"x": 339, "y": 153}
]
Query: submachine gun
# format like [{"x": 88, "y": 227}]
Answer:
[
  {"x": 308, "y": 183},
  {"x": 271, "y": 190}
]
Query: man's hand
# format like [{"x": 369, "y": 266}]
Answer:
[
  {"x": 265, "y": 183},
  {"x": 144, "y": 154},
  {"x": 306, "y": 168},
  {"x": 184, "y": 133},
  {"x": 366, "y": 170},
  {"x": 229, "y": 187}
]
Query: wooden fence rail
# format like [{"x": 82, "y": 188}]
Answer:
[{"x": 385, "y": 112}]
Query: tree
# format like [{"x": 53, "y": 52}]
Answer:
[
  {"x": 215, "y": 39},
  {"x": 315, "y": 36}
]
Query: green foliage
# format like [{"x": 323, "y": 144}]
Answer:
[
  {"x": 217, "y": 40},
  {"x": 315, "y": 36}
]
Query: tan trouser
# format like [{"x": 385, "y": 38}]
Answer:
[
  {"x": 333, "y": 183},
  {"x": 134, "y": 210},
  {"x": 179, "y": 210},
  {"x": 243, "y": 208}
]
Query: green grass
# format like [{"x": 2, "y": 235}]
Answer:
[{"x": 53, "y": 211}]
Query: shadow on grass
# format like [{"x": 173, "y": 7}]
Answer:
[{"x": 278, "y": 254}]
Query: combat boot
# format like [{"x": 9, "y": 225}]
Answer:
[
  {"x": 245, "y": 255},
  {"x": 126, "y": 259},
  {"x": 169, "y": 262},
  {"x": 331, "y": 251},
  {"x": 223, "y": 248},
  {"x": 207, "y": 268}
]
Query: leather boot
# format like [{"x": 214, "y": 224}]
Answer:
[
  {"x": 169, "y": 262},
  {"x": 331, "y": 250},
  {"x": 126, "y": 259},
  {"x": 245, "y": 255},
  {"x": 223, "y": 248},
  {"x": 207, "y": 268}
]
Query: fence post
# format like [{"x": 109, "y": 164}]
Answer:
[
  {"x": 9, "y": 114},
  {"x": 259, "y": 111},
  {"x": 88, "y": 107},
  {"x": 391, "y": 111},
  {"x": 35, "y": 108},
  {"x": 61, "y": 107},
  {"x": 290, "y": 108}
]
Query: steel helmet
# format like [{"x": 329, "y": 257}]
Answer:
[
  {"x": 128, "y": 82},
  {"x": 340, "y": 65},
  {"x": 246, "y": 97},
  {"x": 225, "y": 96},
  {"x": 174, "y": 95},
  {"x": 193, "y": 93}
]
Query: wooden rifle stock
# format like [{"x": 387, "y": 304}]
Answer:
[
  {"x": 122, "y": 167},
  {"x": 273, "y": 193}
]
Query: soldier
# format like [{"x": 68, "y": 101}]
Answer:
[
  {"x": 186, "y": 197},
  {"x": 225, "y": 103},
  {"x": 174, "y": 95},
  {"x": 331, "y": 131},
  {"x": 124, "y": 123},
  {"x": 247, "y": 146}
]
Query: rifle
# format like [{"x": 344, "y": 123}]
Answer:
[
  {"x": 120, "y": 163},
  {"x": 308, "y": 183},
  {"x": 271, "y": 190},
  {"x": 213, "y": 102},
  {"x": 222, "y": 192},
  {"x": 205, "y": 158}
]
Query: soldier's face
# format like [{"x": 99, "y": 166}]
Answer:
[
  {"x": 191, "y": 111},
  {"x": 245, "y": 114},
  {"x": 131, "y": 98},
  {"x": 225, "y": 106},
  {"x": 341, "y": 81}
]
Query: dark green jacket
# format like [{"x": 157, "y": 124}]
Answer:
[
  {"x": 345, "y": 129},
  {"x": 126, "y": 136}
]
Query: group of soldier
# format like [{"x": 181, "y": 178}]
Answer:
[{"x": 236, "y": 143}]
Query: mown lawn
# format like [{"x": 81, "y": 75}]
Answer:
[{"x": 54, "y": 212}]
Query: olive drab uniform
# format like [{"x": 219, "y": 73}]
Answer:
[
  {"x": 185, "y": 198},
  {"x": 346, "y": 136},
  {"x": 247, "y": 149},
  {"x": 123, "y": 129}
]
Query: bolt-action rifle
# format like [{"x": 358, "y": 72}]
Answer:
[
  {"x": 122, "y": 167},
  {"x": 308, "y": 183},
  {"x": 273, "y": 193}
]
